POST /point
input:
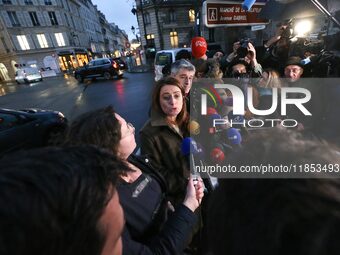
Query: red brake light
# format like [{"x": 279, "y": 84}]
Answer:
[{"x": 115, "y": 65}]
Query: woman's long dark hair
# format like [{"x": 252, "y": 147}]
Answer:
[{"x": 183, "y": 117}]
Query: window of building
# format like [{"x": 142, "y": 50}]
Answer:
[
  {"x": 147, "y": 20},
  {"x": 23, "y": 42},
  {"x": 14, "y": 19},
  {"x": 150, "y": 40},
  {"x": 42, "y": 41},
  {"x": 172, "y": 16},
  {"x": 53, "y": 18},
  {"x": 6, "y": 1},
  {"x": 60, "y": 39},
  {"x": 191, "y": 15},
  {"x": 67, "y": 21},
  {"x": 174, "y": 39},
  {"x": 34, "y": 19},
  {"x": 48, "y": 2},
  {"x": 28, "y": 2}
]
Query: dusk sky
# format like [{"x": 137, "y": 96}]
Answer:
[{"x": 119, "y": 12}]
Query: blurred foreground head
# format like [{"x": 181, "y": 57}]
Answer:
[
  {"x": 60, "y": 201},
  {"x": 277, "y": 216}
]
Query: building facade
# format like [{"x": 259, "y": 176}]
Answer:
[
  {"x": 51, "y": 34},
  {"x": 166, "y": 24}
]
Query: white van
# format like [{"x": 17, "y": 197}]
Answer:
[
  {"x": 163, "y": 58},
  {"x": 27, "y": 75}
]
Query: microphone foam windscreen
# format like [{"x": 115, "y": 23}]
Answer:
[
  {"x": 217, "y": 155},
  {"x": 185, "y": 146},
  {"x": 194, "y": 127},
  {"x": 234, "y": 136}
]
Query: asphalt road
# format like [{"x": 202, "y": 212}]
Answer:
[{"x": 130, "y": 96}]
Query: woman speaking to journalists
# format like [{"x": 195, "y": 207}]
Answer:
[{"x": 162, "y": 135}]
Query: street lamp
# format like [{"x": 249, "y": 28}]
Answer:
[{"x": 133, "y": 29}]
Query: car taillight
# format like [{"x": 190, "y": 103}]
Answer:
[{"x": 115, "y": 65}]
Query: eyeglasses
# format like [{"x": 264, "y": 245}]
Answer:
[{"x": 131, "y": 130}]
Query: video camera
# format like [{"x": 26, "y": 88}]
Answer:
[
  {"x": 288, "y": 32},
  {"x": 243, "y": 50}
]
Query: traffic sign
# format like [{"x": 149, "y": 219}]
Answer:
[{"x": 230, "y": 14}]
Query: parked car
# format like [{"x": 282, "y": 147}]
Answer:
[
  {"x": 27, "y": 75},
  {"x": 163, "y": 58},
  {"x": 30, "y": 128},
  {"x": 100, "y": 67},
  {"x": 122, "y": 64}
]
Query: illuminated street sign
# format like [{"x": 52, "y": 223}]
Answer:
[{"x": 231, "y": 14}]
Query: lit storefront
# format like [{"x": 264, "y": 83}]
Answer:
[{"x": 72, "y": 59}]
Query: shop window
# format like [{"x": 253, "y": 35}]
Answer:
[
  {"x": 191, "y": 15},
  {"x": 174, "y": 39},
  {"x": 150, "y": 40}
]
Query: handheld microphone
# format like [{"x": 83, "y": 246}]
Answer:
[
  {"x": 234, "y": 137},
  {"x": 211, "y": 110},
  {"x": 189, "y": 148},
  {"x": 247, "y": 4},
  {"x": 212, "y": 118},
  {"x": 194, "y": 127},
  {"x": 217, "y": 155},
  {"x": 306, "y": 61}
]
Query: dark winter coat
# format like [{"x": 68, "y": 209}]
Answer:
[
  {"x": 162, "y": 143},
  {"x": 149, "y": 228}
]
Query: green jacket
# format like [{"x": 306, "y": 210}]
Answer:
[{"x": 162, "y": 144}]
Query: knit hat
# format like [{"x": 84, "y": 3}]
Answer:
[
  {"x": 198, "y": 47},
  {"x": 294, "y": 61}
]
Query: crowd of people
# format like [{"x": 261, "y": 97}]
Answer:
[{"x": 93, "y": 195}]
